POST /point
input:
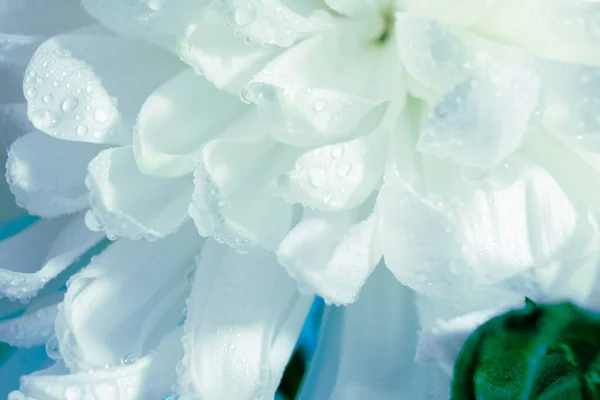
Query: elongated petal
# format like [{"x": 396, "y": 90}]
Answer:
[
  {"x": 244, "y": 317},
  {"x": 229, "y": 62},
  {"x": 39, "y": 253},
  {"x": 232, "y": 201},
  {"x": 367, "y": 350},
  {"x": 34, "y": 328},
  {"x": 177, "y": 120},
  {"x": 332, "y": 254},
  {"x": 47, "y": 175},
  {"x": 150, "y": 377},
  {"x": 318, "y": 92},
  {"x": 130, "y": 204},
  {"x": 124, "y": 302},
  {"x": 75, "y": 81},
  {"x": 336, "y": 177}
]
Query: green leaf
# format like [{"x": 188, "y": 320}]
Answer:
[{"x": 540, "y": 352}]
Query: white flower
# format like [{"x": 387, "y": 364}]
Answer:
[{"x": 455, "y": 139}]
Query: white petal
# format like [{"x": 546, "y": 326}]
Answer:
[
  {"x": 228, "y": 62},
  {"x": 332, "y": 254},
  {"x": 124, "y": 302},
  {"x": 484, "y": 119},
  {"x": 47, "y": 176},
  {"x": 432, "y": 53},
  {"x": 177, "y": 120},
  {"x": 244, "y": 317},
  {"x": 462, "y": 13},
  {"x": 39, "y": 253},
  {"x": 159, "y": 22},
  {"x": 51, "y": 16},
  {"x": 320, "y": 90},
  {"x": 231, "y": 199},
  {"x": 75, "y": 80},
  {"x": 565, "y": 30},
  {"x": 278, "y": 22},
  {"x": 455, "y": 234},
  {"x": 366, "y": 350},
  {"x": 33, "y": 328},
  {"x": 127, "y": 203},
  {"x": 336, "y": 177},
  {"x": 572, "y": 103},
  {"x": 13, "y": 124},
  {"x": 150, "y": 377}
]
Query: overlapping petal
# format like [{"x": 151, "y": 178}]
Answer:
[{"x": 244, "y": 317}]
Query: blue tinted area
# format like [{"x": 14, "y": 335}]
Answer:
[
  {"x": 310, "y": 332},
  {"x": 12, "y": 227},
  {"x": 19, "y": 362}
]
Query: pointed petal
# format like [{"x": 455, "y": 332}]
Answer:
[
  {"x": 367, "y": 349},
  {"x": 332, "y": 254},
  {"x": 336, "y": 177},
  {"x": 33, "y": 328},
  {"x": 39, "y": 253},
  {"x": 319, "y": 92},
  {"x": 277, "y": 22},
  {"x": 150, "y": 377},
  {"x": 229, "y": 62},
  {"x": 47, "y": 175},
  {"x": 177, "y": 120},
  {"x": 484, "y": 119},
  {"x": 232, "y": 201},
  {"x": 244, "y": 317},
  {"x": 75, "y": 80},
  {"x": 124, "y": 302},
  {"x": 129, "y": 204}
]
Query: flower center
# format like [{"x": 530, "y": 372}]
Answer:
[{"x": 387, "y": 24}]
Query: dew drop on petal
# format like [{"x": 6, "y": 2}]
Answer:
[
  {"x": 47, "y": 99},
  {"x": 69, "y": 104},
  {"x": 52, "y": 348},
  {"x": 31, "y": 93},
  {"x": 337, "y": 151},
  {"x": 245, "y": 14},
  {"x": 43, "y": 119},
  {"x": 100, "y": 116},
  {"x": 127, "y": 359},
  {"x": 73, "y": 393},
  {"x": 343, "y": 170},
  {"x": 320, "y": 105},
  {"x": 81, "y": 130},
  {"x": 318, "y": 177}
]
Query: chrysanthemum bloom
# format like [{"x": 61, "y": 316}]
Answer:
[{"x": 453, "y": 140}]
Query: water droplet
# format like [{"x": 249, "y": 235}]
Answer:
[
  {"x": 337, "y": 151},
  {"x": 31, "y": 92},
  {"x": 245, "y": 97},
  {"x": 127, "y": 359},
  {"x": 53, "y": 349},
  {"x": 48, "y": 98},
  {"x": 245, "y": 14},
  {"x": 73, "y": 393},
  {"x": 320, "y": 105},
  {"x": 69, "y": 104},
  {"x": 81, "y": 130},
  {"x": 43, "y": 119},
  {"x": 343, "y": 170},
  {"x": 318, "y": 177},
  {"x": 100, "y": 116}
]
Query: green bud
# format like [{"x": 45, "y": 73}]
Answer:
[{"x": 540, "y": 352}]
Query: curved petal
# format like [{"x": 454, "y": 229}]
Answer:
[
  {"x": 457, "y": 235},
  {"x": 483, "y": 120},
  {"x": 39, "y": 253},
  {"x": 336, "y": 177},
  {"x": 177, "y": 120},
  {"x": 124, "y": 202},
  {"x": 354, "y": 360},
  {"x": 228, "y": 62},
  {"x": 564, "y": 30},
  {"x": 13, "y": 124},
  {"x": 244, "y": 317},
  {"x": 74, "y": 81},
  {"x": 432, "y": 53},
  {"x": 572, "y": 103},
  {"x": 332, "y": 254},
  {"x": 47, "y": 176},
  {"x": 150, "y": 377},
  {"x": 123, "y": 303},
  {"x": 319, "y": 91},
  {"x": 33, "y": 328},
  {"x": 277, "y": 22},
  {"x": 231, "y": 199},
  {"x": 159, "y": 22}
]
